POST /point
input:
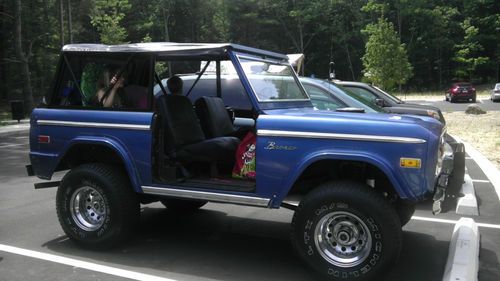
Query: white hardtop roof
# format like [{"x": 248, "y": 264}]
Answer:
[{"x": 171, "y": 48}]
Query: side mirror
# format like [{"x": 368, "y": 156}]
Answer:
[
  {"x": 380, "y": 102},
  {"x": 350, "y": 109}
]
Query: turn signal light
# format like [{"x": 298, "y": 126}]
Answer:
[{"x": 410, "y": 163}]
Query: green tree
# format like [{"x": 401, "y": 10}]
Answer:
[
  {"x": 106, "y": 18},
  {"x": 385, "y": 61},
  {"x": 468, "y": 52}
]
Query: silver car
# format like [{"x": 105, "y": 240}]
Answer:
[{"x": 495, "y": 93}]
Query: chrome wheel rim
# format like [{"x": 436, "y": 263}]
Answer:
[
  {"x": 88, "y": 208},
  {"x": 342, "y": 239}
]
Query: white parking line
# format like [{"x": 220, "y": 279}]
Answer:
[
  {"x": 83, "y": 264},
  {"x": 486, "y": 225},
  {"x": 486, "y": 181},
  {"x": 490, "y": 170}
]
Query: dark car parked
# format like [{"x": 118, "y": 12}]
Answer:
[
  {"x": 389, "y": 102},
  {"x": 461, "y": 91}
]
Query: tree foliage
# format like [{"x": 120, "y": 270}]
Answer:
[
  {"x": 385, "y": 61},
  {"x": 444, "y": 39},
  {"x": 468, "y": 51},
  {"x": 106, "y": 17}
]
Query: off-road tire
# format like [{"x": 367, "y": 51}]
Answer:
[
  {"x": 101, "y": 188},
  {"x": 405, "y": 211},
  {"x": 182, "y": 205},
  {"x": 337, "y": 208}
]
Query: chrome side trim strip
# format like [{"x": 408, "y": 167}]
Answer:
[
  {"x": 93, "y": 125},
  {"x": 209, "y": 196},
  {"x": 355, "y": 137}
]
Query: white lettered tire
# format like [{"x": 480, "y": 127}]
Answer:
[
  {"x": 96, "y": 205},
  {"x": 346, "y": 231}
]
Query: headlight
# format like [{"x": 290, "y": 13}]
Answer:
[
  {"x": 440, "y": 156},
  {"x": 434, "y": 114}
]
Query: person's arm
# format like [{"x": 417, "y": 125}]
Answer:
[{"x": 109, "y": 100}]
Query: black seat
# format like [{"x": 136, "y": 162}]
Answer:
[
  {"x": 184, "y": 139},
  {"x": 214, "y": 118}
]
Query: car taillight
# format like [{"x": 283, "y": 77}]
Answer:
[
  {"x": 43, "y": 139},
  {"x": 455, "y": 89},
  {"x": 474, "y": 89}
]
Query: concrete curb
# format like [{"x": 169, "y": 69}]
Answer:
[
  {"x": 463, "y": 255},
  {"x": 467, "y": 205},
  {"x": 490, "y": 170}
]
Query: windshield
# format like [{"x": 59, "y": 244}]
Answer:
[
  {"x": 272, "y": 82},
  {"x": 395, "y": 99},
  {"x": 355, "y": 99}
]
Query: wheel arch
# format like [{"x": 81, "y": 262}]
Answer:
[
  {"x": 319, "y": 165},
  {"x": 98, "y": 150}
]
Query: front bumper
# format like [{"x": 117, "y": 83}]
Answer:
[{"x": 442, "y": 180}]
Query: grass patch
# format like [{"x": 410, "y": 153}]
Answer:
[{"x": 481, "y": 131}]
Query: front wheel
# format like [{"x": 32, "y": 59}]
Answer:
[
  {"x": 96, "y": 205},
  {"x": 405, "y": 211},
  {"x": 346, "y": 231}
]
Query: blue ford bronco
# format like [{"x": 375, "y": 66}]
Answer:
[{"x": 351, "y": 179}]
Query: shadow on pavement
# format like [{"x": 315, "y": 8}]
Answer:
[
  {"x": 422, "y": 258},
  {"x": 489, "y": 266},
  {"x": 208, "y": 244}
]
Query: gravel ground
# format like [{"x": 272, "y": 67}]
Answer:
[{"x": 481, "y": 131}]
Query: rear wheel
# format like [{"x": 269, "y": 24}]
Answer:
[
  {"x": 182, "y": 205},
  {"x": 96, "y": 205},
  {"x": 346, "y": 231}
]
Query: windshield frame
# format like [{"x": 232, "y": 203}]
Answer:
[
  {"x": 274, "y": 62},
  {"x": 348, "y": 93},
  {"x": 388, "y": 95}
]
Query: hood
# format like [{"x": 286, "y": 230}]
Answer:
[
  {"x": 416, "y": 109},
  {"x": 311, "y": 120}
]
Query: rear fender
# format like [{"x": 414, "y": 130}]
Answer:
[{"x": 115, "y": 146}]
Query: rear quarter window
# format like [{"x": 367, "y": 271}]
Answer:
[{"x": 81, "y": 77}]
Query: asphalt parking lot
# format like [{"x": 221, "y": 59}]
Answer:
[
  {"x": 220, "y": 242},
  {"x": 446, "y": 106}
]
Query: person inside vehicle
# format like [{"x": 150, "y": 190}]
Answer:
[
  {"x": 110, "y": 90},
  {"x": 174, "y": 85}
]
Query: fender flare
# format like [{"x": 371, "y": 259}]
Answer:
[
  {"x": 115, "y": 146},
  {"x": 312, "y": 158}
]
